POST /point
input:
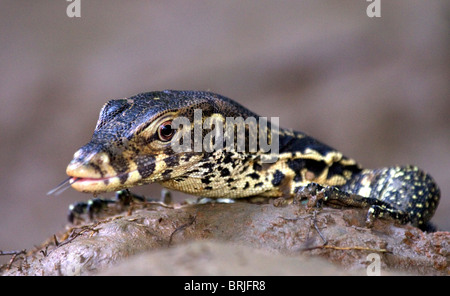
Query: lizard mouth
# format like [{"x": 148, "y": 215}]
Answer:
[
  {"x": 95, "y": 185},
  {"x": 77, "y": 183},
  {"x": 91, "y": 184},
  {"x": 104, "y": 184}
]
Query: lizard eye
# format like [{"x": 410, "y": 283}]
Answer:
[{"x": 165, "y": 131}]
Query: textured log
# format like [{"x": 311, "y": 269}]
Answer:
[{"x": 337, "y": 235}]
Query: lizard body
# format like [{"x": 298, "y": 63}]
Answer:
[{"x": 132, "y": 145}]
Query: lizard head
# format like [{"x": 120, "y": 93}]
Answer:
[{"x": 133, "y": 141}]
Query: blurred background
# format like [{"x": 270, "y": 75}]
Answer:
[{"x": 377, "y": 89}]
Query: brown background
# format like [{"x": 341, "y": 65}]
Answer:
[{"x": 376, "y": 89}]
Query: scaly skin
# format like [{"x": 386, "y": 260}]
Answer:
[{"x": 131, "y": 146}]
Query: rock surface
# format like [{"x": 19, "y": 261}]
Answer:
[{"x": 240, "y": 238}]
